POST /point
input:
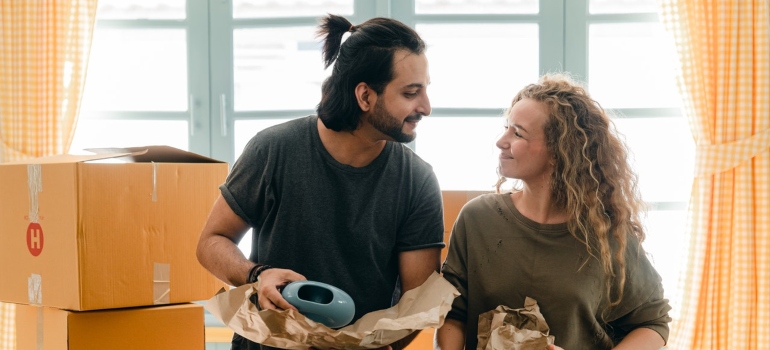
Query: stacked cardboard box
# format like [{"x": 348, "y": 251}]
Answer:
[
  {"x": 177, "y": 326},
  {"x": 114, "y": 232}
]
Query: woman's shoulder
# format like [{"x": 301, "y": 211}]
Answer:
[{"x": 483, "y": 202}]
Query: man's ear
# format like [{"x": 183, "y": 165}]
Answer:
[{"x": 365, "y": 96}]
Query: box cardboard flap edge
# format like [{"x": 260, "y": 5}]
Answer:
[
  {"x": 66, "y": 158},
  {"x": 160, "y": 154},
  {"x": 141, "y": 154}
]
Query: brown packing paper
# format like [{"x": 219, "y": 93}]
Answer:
[
  {"x": 423, "y": 307},
  {"x": 514, "y": 329}
]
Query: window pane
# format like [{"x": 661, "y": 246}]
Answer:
[
  {"x": 137, "y": 70},
  {"x": 622, "y": 6},
  {"x": 290, "y": 8},
  {"x": 277, "y": 68},
  {"x": 246, "y": 129},
  {"x": 663, "y": 153},
  {"x": 461, "y": 150},
  {"x": 141, "y": 9},
  {"x": 93, "y": 133},
  {"x": 479, "y": 65},
  {"x": 666, "y": 245},
  {"x": 632, "y": 65},
  {"x": 476, "y": 6}
]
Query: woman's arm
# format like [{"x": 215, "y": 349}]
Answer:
[
  {"x": 451, "y": 336},
  {"x": 638, "y": 339},
  {"x": 641, "y": 339}
]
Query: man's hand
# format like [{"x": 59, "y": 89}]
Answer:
[{"x": 269, "y": 288}]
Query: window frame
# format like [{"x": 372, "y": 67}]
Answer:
[{"x": 563, "y": 46}]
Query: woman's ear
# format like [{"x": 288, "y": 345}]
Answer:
[{"x": 365, "y": 96}]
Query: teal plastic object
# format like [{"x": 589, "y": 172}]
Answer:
[{"x": 320, "y": 302}]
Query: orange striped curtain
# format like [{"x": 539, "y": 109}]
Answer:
[
  {"x": 7, "y": 326},
  {"x": 44, "y": 48},
  {"x": 725, "y": 80}
]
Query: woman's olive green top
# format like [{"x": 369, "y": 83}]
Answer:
[{"x": 499, "y": 257}]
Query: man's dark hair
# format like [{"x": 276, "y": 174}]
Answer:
[{"x": 366, "y": 56}]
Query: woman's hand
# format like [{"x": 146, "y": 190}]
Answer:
[{"x": 554, "y": 347}]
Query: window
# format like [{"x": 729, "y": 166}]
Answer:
[
  {"x": 147, "y": 80},
  {"x": 206, "y": 76}
]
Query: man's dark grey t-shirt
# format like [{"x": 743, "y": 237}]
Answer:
[{"x": 331, "y": 222}]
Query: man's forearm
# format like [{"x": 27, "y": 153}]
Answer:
[{"x": 230, "y": 265}]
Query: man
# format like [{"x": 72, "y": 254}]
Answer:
[{"x": 337, "y": 198}]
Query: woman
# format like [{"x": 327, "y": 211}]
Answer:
[{"x": 568, "y": 236}]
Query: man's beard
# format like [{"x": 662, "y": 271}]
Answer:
[{"x": 389, "y": 125}]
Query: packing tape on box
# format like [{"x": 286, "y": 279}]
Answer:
[
  {"x": 35, "y": 294},
  {"x": 39, "y": 339},
  {"x": 35, "y": 282},
  {"x": 161, "y": 283},
  {"x": 35, "y": 183},
  {"x": 154, "y": 182},
  {"x": 35, "y": 289}
]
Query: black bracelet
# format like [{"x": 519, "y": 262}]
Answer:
[
  {"x": 255, "y": 271},
  {"x": 251, "y": 277},
  {"x": 261, "y": 269}
]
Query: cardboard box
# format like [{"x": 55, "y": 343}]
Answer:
[
  {"x": 83, "y": 233},
  {"x": 155, "y": 327},
  {"x": 453, "y": 203}
]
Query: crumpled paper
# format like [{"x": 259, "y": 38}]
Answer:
[
  {"x": 514, "y": 329},
  {"x": 422, "y": 307}
]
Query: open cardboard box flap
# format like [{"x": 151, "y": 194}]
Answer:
[
  {"x": 66, "y": 158},
  {"x": 158, "y": 154},
  {"x": 141, "y": 154}
]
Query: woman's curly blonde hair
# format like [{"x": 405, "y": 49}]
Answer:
[{"x": 592, "y": 179}]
